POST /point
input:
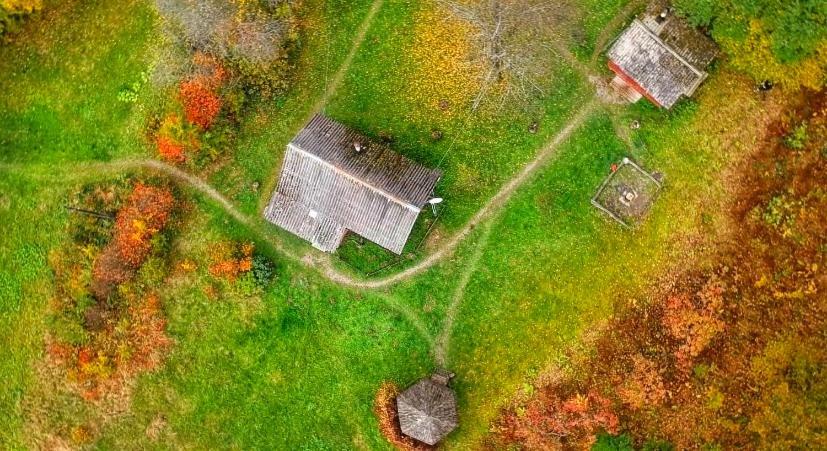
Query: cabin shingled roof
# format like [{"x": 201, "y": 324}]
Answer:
[
  {"x": 427, "y": 411},
  {"x": 327, "y": 188},
  {"x": 666, "y": 57}
]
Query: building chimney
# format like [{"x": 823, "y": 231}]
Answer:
[{"x": 357, "y": 146}]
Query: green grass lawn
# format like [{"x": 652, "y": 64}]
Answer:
[
  {"x": 61, "y": 79},
  {"x": 296, "y": 367}
]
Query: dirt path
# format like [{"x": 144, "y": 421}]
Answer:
[
  {"x": 442, "y": 343},
  {"x": 336, "y": 80},
  {"x": 411, "y": 316},
  {"x": 492, "y": 206}
]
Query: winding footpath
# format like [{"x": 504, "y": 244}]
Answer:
[{"x": 323, "y": 263}]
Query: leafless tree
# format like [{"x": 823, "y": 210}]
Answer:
[
  {"x": 516, "y": 41},
  {"x": 216, "y": 27}
]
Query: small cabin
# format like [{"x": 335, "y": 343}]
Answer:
[
  {"x": 428, "y": 409},
  {"x": 660, "y": 57},
  {"x": 334, "y": 180}
]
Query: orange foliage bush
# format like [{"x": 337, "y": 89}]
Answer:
[
  {"x": 384, "y": 407},
  {"x": 229, "y": 261},
  {"x": 145, "y": 213},
  {"x": 549, "y": 420},
  {"x": 175, "y": 139},
  {"x": 170, "y": 150},
  {"x": 644, "y": 386},
  {"x": 201, "y": 103},
  {"x": 694, "y": 322}
]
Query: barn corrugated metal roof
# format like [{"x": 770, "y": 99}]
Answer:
[
  {"x": 327, "y": 188},
  {"x": 664, "y": 56},
  {"x": 376, "y": 164}
]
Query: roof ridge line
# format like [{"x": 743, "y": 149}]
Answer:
[{"x": 386, "y": 194}]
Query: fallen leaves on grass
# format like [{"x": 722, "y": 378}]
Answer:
[
  {"x": 443, "y": 81},
  {"x": 384, "y": 407}
]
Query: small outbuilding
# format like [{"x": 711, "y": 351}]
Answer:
[
  {"x": 334, "y": 179},
  {"x": 428, "y": 409},
  {"x": 628, "y": 193},
  {"x": 660, "y": 57}
]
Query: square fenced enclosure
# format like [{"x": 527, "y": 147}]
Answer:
[{"x": 628, "y": 193}]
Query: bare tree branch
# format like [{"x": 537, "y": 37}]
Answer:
[{"x": 515, "y": 41}]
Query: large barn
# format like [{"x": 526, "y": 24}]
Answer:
[
  {"x": 660, "y": 57},
  {"x": 334, "y": 179}
]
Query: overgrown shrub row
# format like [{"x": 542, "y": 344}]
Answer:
[{"x": 106, "y": 319}]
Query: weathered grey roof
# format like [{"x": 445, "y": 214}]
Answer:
[
  {"x": 327, "y": 187},
  {"x": 375, "y": 165},
  {"x": 666, "y": 57},
  {"x": 690, "y": 43},
  {"x": 427, "y": 411}
]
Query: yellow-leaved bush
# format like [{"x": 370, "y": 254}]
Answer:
[
  {"x": 12, "y": 12},
  {"x": 754, "y": 56}
]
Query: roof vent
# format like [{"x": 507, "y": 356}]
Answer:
[
  {"x": 442, "y": 376},
  {"x": 357, "y": 146}
]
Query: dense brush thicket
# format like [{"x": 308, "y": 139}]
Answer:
[{"x": 775, "y": 40}]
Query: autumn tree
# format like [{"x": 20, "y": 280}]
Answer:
[
  {"x": 515, "y": 41},
  {"x": 781, "y": 41},
  {"x": 253, "y": 38}
]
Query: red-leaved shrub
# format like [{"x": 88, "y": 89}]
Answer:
[
  {"x": 170, "y": 150},
  {"x": 146, "y": 211},
  {"x": 201, "y": 103},
  {"x": 176, "y": 139}
]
